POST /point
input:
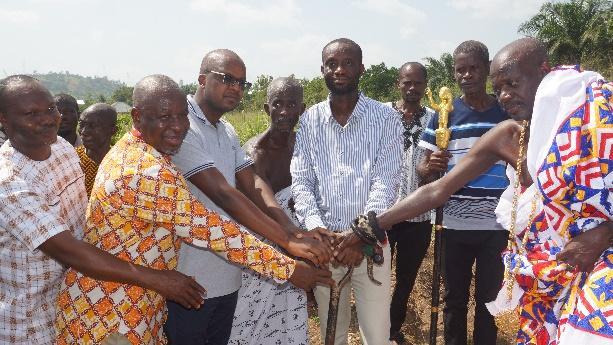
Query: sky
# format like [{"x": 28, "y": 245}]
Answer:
[{"x": 127, "y": 40}]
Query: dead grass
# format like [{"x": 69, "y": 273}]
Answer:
[{"x": 417, "y": 323}]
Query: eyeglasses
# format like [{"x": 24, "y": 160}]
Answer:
[{"x": 230, "y": 80}]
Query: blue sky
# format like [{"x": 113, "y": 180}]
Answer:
[{"x": 127, "y": 40}]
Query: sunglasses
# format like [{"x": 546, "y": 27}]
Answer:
[{"x": 230, "y": 80}]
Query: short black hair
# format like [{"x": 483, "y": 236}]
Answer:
[
  {"x": 344, "y": 41},
  {"x": 6, "y": 83},
  {"x": 64, "y": 98},
  {"x": 475, "y": 48},
  {"x": 418, "y": 65}
]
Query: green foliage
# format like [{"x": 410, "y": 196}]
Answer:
[
  {"x": 379, "y": 82},
  {"x": 254, "y": 99},
  {"x": 441, "y": 73},
  {"x": 248, "y": 123},
  {"x": 315, "y": 90},
  {"x": 124, "y": 124},
  {"x": 122, "y": 94},
  {"x": 78, "y": 86},
  {"x": 575, "y": 32}
]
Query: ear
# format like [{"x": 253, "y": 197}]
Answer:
[
  {"x": 303, "y": 109},
  {"x": 202, "y": 80},
  {"x": 322, "y": 69},
  {"x": 267, "y": 109},
  {"x": 136, "y": 114},
  {"x": 362, "y": 69},
  {"x": 544, "y": 68},
  {"x": 114, "y": 130}
]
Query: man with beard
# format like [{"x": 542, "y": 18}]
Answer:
[
  {"x": 409, "y": 240},
  {"x": 559, "y": 257},
  {"x": 266, "y": 312},
  {"x": 346, "y": 162},
  {"x": 221, "y": 175},
  {"x": 69, "y": 111},
  {"x": 97, "y": 126}
]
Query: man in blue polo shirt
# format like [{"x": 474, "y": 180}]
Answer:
[{"x": 472, "y": 233}]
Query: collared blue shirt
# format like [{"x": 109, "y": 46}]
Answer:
[{"x": 339, "y": 172}]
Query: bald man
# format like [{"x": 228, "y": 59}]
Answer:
[
  {"x": 141, "y": 211},
  {"x": 42, "y": 216},
  {"x": 559, "y": 262},
  {"x": 97, "y": 125},
  {"x": 221, "y": 175}
]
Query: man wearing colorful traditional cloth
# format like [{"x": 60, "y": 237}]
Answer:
[
  {"x": 559, "y": 260},
  {"x": 140, "y": 211}
]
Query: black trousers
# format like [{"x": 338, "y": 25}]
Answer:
[
  {"x": 463, "y": 248},
  {"x": 209, "y": 325},
  {"x": 409, "y": 242}
]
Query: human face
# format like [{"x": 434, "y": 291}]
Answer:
[
  {"x": 70, "y": 117},
  {"x": 284, "y": 109},
  {"x": 30, "y": 119},
  {"x": 470, "y": 73},
  {"x": 95, "y": 131},
  {"x": 412, "y": 84},
  {"x": 341, "y": 69},
  {"x": 515, "y": 89},
  {"x": 221, "y": 96},
  {"x": 163, "y": 123}
]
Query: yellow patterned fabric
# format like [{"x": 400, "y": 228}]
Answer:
[
  {"x": 139, "y": 211},
  {"x": 89, "y": 167}
]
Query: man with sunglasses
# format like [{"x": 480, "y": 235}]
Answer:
[{"x": 221, "y": 175}]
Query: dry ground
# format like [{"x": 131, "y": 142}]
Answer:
[{"x": 417, "y": 323}]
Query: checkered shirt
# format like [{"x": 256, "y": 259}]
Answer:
[
  {"x": 140, "y": 210},
  {"x": 38, "y": 199}
]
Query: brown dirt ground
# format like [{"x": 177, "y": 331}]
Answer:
[{"x": 417, "y": 323}]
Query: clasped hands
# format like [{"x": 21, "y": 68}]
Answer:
[{"x": 341, "y": 248}]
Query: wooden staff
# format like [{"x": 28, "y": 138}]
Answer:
[{"x": 442, "y": 134}]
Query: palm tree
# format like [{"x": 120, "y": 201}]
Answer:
[
  {"x": 575, "y": 32},
  {"x": 440, "y": 72}
]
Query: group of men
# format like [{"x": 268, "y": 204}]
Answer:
[{"x": 187, "y": 238}]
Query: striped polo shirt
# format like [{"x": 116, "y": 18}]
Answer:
[{"x": 472, "y": 207}]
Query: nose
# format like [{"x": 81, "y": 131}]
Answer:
[{"x": 505, "y": 95}]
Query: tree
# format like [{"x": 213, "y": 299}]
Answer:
[
  {"x": 189, "y": 89},
  {"x": 315, "y": 90},
  {"x": 255, "y": 98},
  {"x": 441, "y": 73},
  {"x": 575, "y": 32},
  {"x": 122, "y": 94},
  {"x": 379, "y": 82}
]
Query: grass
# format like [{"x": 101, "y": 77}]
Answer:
[{"x": 246, "y": 123}]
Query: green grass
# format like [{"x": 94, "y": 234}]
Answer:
[{"x": 246, "y": 123}]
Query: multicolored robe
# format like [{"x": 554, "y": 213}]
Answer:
[{"x": 570, "y": 156}]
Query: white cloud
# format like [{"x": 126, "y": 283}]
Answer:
[
  {"x": 18, "y": 16},
  {"x": 300, "y": 55},
  {"x": 498, "y": 8},
  {"x": 408, "y": 17},
  {"x": 276, "y": 12}
]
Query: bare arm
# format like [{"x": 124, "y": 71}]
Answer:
[
  {"x": 497, "y": 144},
  {"x": 101, "y": 265}
]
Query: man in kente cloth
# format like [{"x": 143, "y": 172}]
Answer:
[{"x": 558, "y": 209}]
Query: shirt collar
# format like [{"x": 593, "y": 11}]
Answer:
[
  {"x": 357, "y": 113},
  {"x": 195, "y": 110}
]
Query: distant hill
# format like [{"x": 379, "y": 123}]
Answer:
[{"x": 78, "y": 86}]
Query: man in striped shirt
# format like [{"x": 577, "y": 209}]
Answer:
[{"x": 346, "y": 162}]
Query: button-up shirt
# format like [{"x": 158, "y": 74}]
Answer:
[
  {"x": 140, "y": 211},
  {"x": 38, "y": 200},
  {"x": 339, "y": 172}
]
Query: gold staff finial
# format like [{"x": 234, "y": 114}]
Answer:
[{"x": 443, "y": 109}]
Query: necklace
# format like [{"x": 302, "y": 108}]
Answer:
[
  {"x": 412, "y": 128},
  {"x": 512, "y": 245}
]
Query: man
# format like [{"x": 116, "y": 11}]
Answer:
[
  {"x": 472, "y": 235},
  {"x": 97, "y": 126},
  {"x": 266, "y": 312},
  {"x": 411, "y": 238},
  {"x": 42, "y": 208},
  {"x": 140, "y": 211},
  {"x": 346, "y": 162},
  {"x": 221, "y": 175},
  {"x": 558, "y": 302},
  {"x": 69, "y": 111}
]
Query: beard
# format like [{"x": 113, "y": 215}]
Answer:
[{"x": 341, "y": 90}]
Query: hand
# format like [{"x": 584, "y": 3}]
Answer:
[
  {"x": 324, "y": 235},
  {"x": 584, "y": 249},
  {"x": 438, "y": 162},
  {"x": 306, "y": 276},
  {"x": 350, "y": 255},
  {"x": 309, "y": 248},
  {"x": 178, "y": 287}
]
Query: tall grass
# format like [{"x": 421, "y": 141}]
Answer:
[{"x": 246, "y": 123}]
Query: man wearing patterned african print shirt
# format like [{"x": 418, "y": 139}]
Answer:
[
  {"x": 559, "y": 263},
  {"x": 97, "y": 125},
  {"x": 140, "y": 211}
]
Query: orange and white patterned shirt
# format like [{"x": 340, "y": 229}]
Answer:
[
  {"x": 140, "y": 210},
  {"x": 38, "y": 200},
  {"x": 89, "y": 167}
]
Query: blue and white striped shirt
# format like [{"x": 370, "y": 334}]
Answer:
[{"x": 341, "y": 172}]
